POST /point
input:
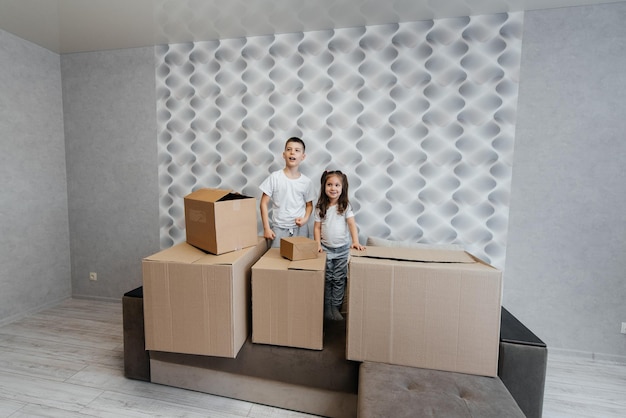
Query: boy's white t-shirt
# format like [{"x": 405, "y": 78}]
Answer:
[
  {"x": 335, "y": 231},
  {"x": 288, "y": 196}
]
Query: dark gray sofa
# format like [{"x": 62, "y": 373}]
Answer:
[
  {"x": 522, "y": 363},
  {"x": 318, "y": 382}
]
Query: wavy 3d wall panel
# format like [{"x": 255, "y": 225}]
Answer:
[{"x": 420, "y": 115}]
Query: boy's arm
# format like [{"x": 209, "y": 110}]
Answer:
[
  {"x": 267, "y": 230},
  {"x": 354, "y": 234},
  {"x": 307, "y": 214},
  {"x": 317, "y": 235}
]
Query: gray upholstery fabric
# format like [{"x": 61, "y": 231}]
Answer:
[
  {"x": 136, "y": 358},
  {"x": 387, "y": 390},
  {"x": 325, "y": 369},
  {"x": 522, "y": 368},
  {"x": 522, "y": 363}
]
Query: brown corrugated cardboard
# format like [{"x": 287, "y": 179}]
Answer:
[
  {"x": 288, "y": 301},
  {"x": 298, "y": 248},
  {"x": 431, "y": 309},
  {"x": 198, "y": 303},
  {"x": 220, "y": 221}
]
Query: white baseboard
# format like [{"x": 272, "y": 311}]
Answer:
[{"x": 586, "y": 355}]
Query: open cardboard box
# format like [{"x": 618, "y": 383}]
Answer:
[
  {"x": 220, "y": 221},
  {"x": 437, "y": 309}
]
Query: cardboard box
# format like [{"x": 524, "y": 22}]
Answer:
[
  {"x": 198, "y": 303},
  {"x": 435, "y": 309},
  {"x": 298, "y": 248},
  {"x": 219, "y": 221},
  {"x": 288, "y": 301}
]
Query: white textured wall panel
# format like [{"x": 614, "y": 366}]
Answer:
[{"x": 421, "y": 117}]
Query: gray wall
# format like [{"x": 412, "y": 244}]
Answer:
[
  {"x": 34, "y": 243},
  {"x": 110, "y": 130},
  {"x": 565, "y": 274}
]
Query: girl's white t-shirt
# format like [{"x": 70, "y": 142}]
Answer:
[
  {"x": 335, "y": 231},
  {"x": 288, "y": 196}
]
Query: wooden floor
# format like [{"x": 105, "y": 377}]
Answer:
[{"x": 67, "y": 362}]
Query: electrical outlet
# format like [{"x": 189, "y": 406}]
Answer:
[
  {"x": 623, "y": 328},
  {"x": 93, "y": 276}
]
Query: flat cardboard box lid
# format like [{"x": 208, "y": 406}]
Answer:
[
  {"x": 188, "y": 254},
  {"x": 183, "y": 252},
  {"x": 312, "y": 264},
  {"x": 413, "y": 254},
  {"x": 272, "y": 260}
]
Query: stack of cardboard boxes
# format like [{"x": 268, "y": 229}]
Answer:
[
  {"x": 437, "y": 309},
  {"x": 197, "y": 294},
  {"x": 288, "y": 295}
]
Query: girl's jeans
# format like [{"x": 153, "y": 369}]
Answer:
[{"x": 336, "y": 274}]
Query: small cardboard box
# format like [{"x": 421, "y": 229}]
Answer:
[
  {"x": 288, "y": 301},
  {"x": 435, "y": 309},
  {"x": 198, "y": 303},
  {"x": 298, "y": 248},
  {"x": 219, "y": 221}
]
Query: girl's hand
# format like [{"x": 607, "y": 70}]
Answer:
[{"x": 358, "y": 246}]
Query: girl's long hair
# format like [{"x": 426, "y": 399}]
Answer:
[{"x": 323, "y": 202}]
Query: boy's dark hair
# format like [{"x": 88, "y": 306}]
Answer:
[
  {"x": 323, "y": 201},
  {"x": 298, "y": 140}
]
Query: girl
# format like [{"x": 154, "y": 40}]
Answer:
[{"x": 336, "y": 232}]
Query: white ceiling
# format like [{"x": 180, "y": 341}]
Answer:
[{"x": 66, "y": 26}]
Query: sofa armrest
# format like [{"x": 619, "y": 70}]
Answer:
[
  {"x": 136, "y": 358},
  {"x": 522, "y": 363}
]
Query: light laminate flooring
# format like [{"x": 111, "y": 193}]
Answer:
[{"x": 67, "y": 361}]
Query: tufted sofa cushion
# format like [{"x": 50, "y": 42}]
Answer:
[{"x": 387, "y": 390}]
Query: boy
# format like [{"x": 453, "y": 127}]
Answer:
[{"x": 291, "y": 194}]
